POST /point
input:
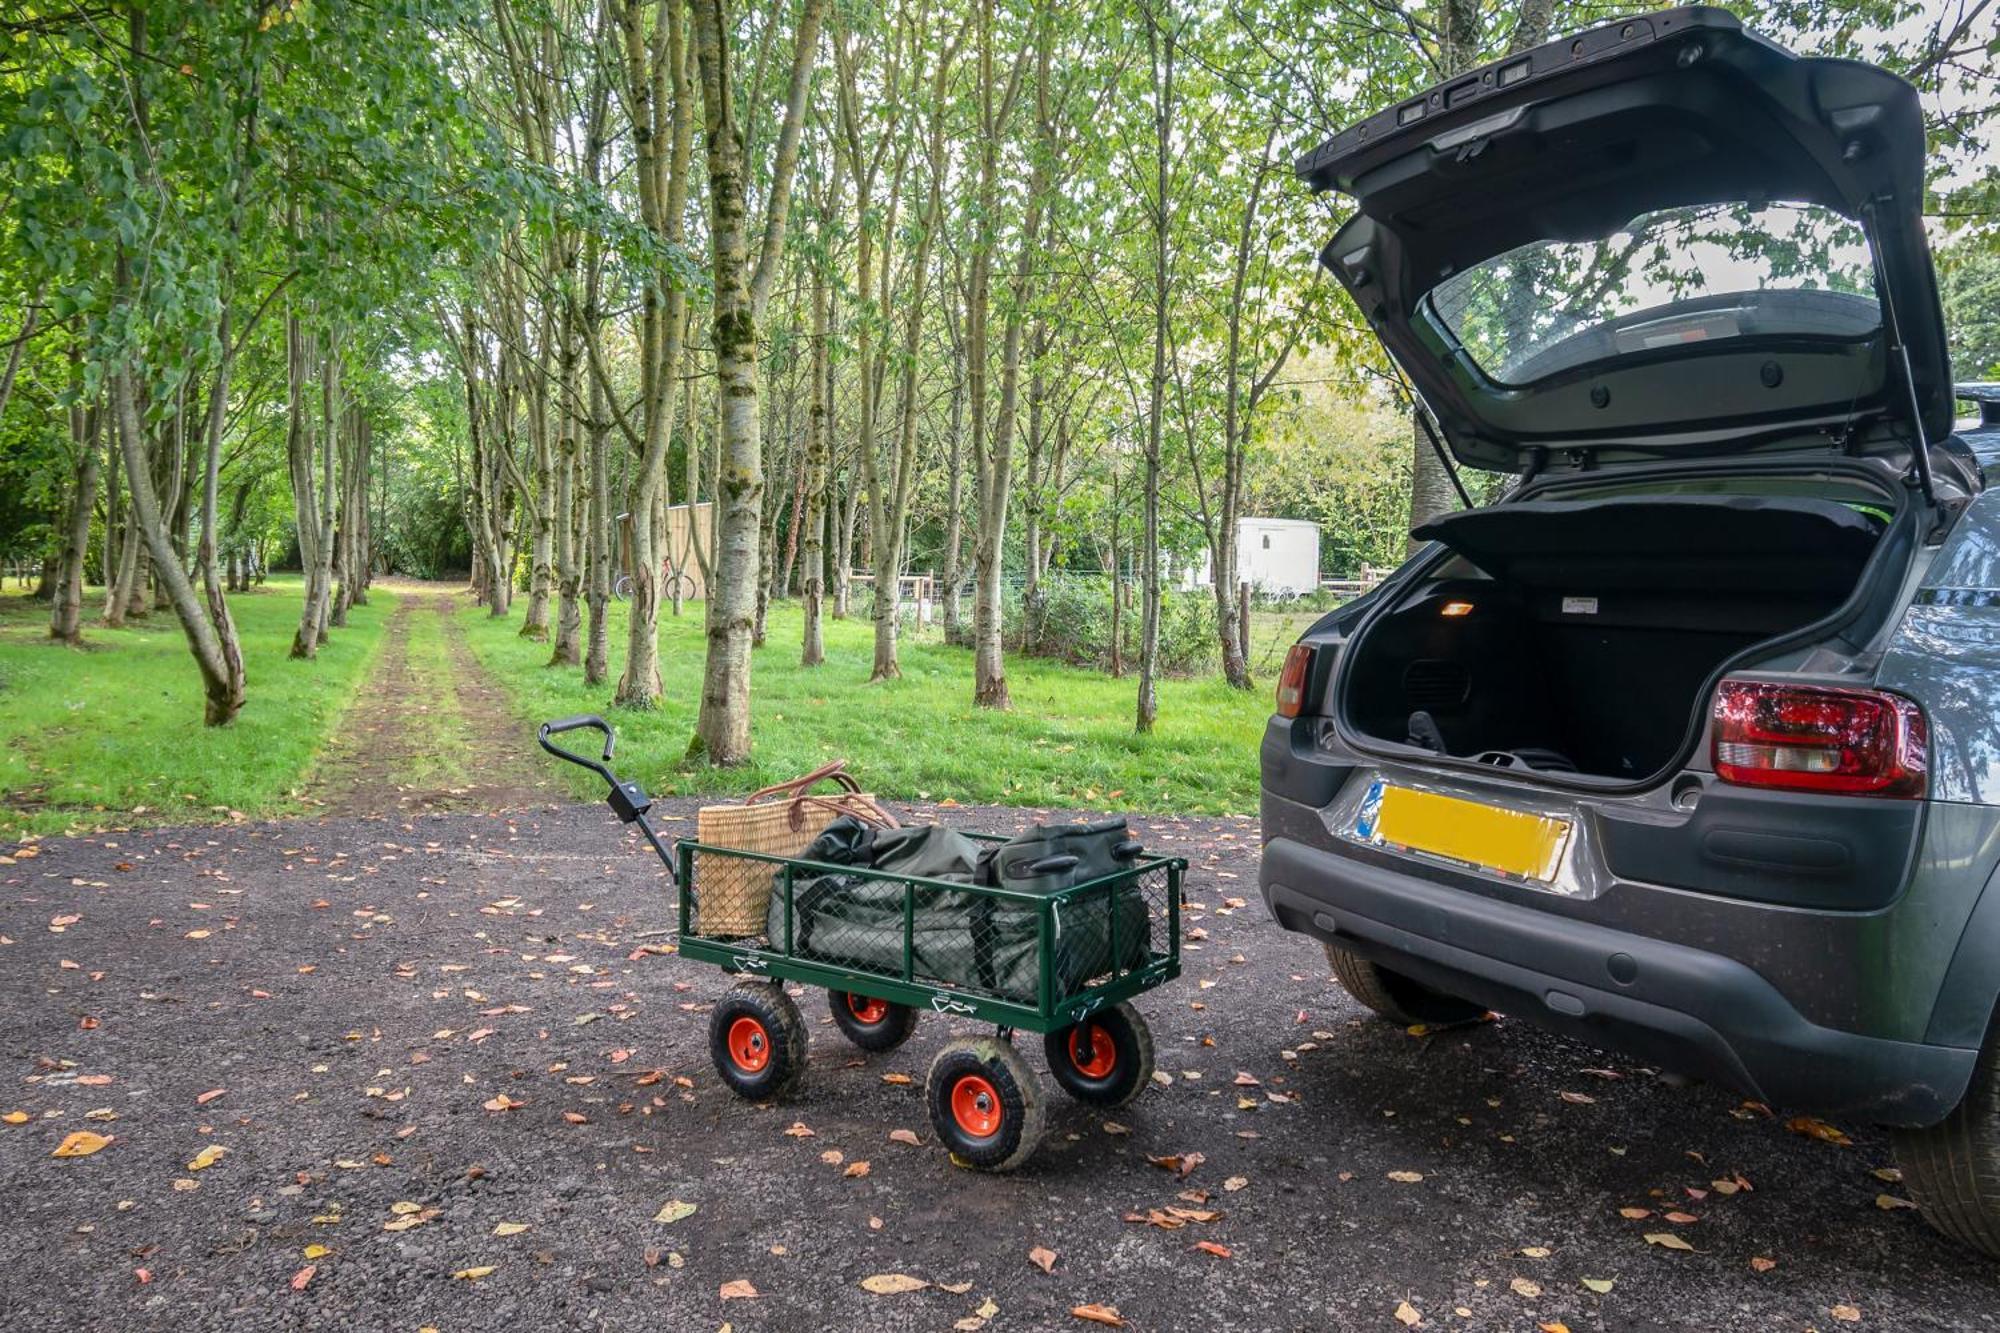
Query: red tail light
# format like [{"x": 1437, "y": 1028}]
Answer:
[
  {"x": 1816, "y": 738},
  {"x": 1292, "y": 680}
]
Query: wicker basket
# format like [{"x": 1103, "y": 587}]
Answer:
[{"x": 732, "y": 894}]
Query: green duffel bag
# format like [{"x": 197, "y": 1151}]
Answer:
[{"x": 856, "y": 920}]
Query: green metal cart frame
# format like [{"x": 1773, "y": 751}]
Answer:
[{"x": 985, "y": 1103}]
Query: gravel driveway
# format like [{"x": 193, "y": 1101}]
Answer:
[{"x": 334, "y": 1006}]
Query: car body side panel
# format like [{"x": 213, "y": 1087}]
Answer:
[{"x": 1946, "y": 655}]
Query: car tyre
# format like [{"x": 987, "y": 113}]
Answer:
[
  {"x": 1952, "y": 1169},
  {"x": 1395, "y": 996}
]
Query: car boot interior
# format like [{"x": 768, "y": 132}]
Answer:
[{"x": 1576, "y": 636}]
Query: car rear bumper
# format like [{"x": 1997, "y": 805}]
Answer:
[{"x": 1694, "y": 1012}]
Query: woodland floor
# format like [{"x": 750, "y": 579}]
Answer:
[{"x": 335, "y": 1004}]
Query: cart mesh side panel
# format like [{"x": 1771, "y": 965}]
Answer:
[{"x": 978, "y": 941}]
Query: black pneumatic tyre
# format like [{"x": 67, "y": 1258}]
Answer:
[
  {"x": 758, "y": 1040},
  {"x": 985, "y": 1104},
  {"x": 871, "y": 1024},
  {"x": 1106, "y": 1060},
  {"x": 1395, "y": 996},
  {"x": 1952, "y": 1169}
]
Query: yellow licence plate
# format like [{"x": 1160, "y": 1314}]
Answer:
[{"x": 1508, "y": 841}]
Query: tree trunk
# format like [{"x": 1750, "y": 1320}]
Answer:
[
  {"x": 222, "y": 686},
  {"x": 597, "y": 653},
  {"x": 1160, "y": 48},
  {"x": 66, "y": 619},
  {"x": 812, "y": 649},
  {"x": 722, "y": 730},
  {"x": 299, "y": 461}
]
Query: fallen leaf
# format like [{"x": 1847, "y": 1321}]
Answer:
[
  {"x": 1099, "y": 1314},
  {"x": 1818, "y": 1129},
  {"x": 473, "y": 1274},
  {"x": 1601, "y": 1285},
  {"x": 1681, "y": 1219},
  {"x": 403, "y": 1208},
  {"x": 1536, "y": 1252},
  {"x": 903, "y": 1136},
  {"x": 798, "y": 1130},
  {"x": 1635, "y": 1214},
  {"x": 1044, "y": 1259},
  {"x": 1180, "y": 1163},
  {"x": 1579, "y": 1099},
  {"x": 1553, "y": 1326},
  {"x": 16, "y": 1117},
  {"x": 1889, "y": 1203},
  {"x": 855, "y": 1170},
  {"x": 1667, "y": 1240},
  {"x": 1846, "y": 1314},
  {"x": 81, "y": 1143},
  {"x": 1762, "y": 1265},
  {"x": 207, "y": 1157},
  {"x": 1210, "y": 1247},
  {"x": 739, "y": 1290},
  {"x": 502, "y": 1103},
  {"x": 674, "y": 1211},
  {"x": 1526, "y": 1287},
  {"x": 509, "y": 1228},
  {"x": 891, "y": 1284},
  {"x": 1235, "y": 1183},
  {"x": 1406, "y": 1177},
  {"x": 1407, "y": 1316},
  {"x": 209, "y": 1096},
  {"x": 303, "y": 1276},
  {"x": 898, "y": 1079}
]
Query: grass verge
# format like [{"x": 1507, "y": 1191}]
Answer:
[
  {"x": 1067, "y": 742},
  {"x": 111, "y": 734}
]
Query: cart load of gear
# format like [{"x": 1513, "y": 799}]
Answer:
[{"x": 974, "y": 940}]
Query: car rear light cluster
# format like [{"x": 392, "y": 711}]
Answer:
[
  {"x": 1292, "y": 680},
  {"x": 1818, "y": 738}
]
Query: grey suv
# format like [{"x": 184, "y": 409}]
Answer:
[{"x": 1689, "y": 744}]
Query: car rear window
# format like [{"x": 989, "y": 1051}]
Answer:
[{"x": 1666, "y": 280}]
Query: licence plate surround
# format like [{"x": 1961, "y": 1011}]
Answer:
[{"x": 1512, "y": 843}]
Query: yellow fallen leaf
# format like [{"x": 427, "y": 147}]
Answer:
[
  {"x": 673, "y": 1211},
  {"x": 1846, "y": 1314},
  {"x": 1407, "y": 1316},
  {"x": 81, "y": 1143},
  {"x": 891, "y": 1284},
  {"x": 403, "y": 1223},
  {"x": 1536, "y": 1252},
  {"x": 317, "y": 1251},
  {"x": 197, "y": 935},
  {"x": 1526, "y": 1287},
  {"x": 898, "y": 1080},
  {"x": 473, "y": 1274},
  {"x": 1601, "y": 1285},
  {"x": 1406, "y": 1177},
  {"x": 1818, "y": 1129},
  {"x": 207, "y": 1157},
  {"x": 1889, "y": 1203},
  {"x": 509, "y": 1228},
  {"x": 403, "y": 1208},
  {"x": 1667, "y": 1240},
  {"x": 16, "y": 1117},
  {"x": 1553, "y": 1326}
]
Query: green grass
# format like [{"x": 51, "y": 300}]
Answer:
[
  {"x": 112, "y": 734},
  {"x": 1067, "y": 742}
]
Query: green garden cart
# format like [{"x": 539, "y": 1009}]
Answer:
[{"x": 1033, "y": 952}]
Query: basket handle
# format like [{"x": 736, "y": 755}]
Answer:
[
  {"x": 798, "y": 786},
  {"x": 851, "y": 803}
]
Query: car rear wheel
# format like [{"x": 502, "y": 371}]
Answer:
[
  {"x": 1952, "y": 1169},
  {"x": 1395, "y": 996}
]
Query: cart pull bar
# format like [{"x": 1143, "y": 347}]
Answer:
[{"x": 628, "y": 800}]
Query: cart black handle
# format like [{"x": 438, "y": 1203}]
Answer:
[{"x": 600, "y": 767}]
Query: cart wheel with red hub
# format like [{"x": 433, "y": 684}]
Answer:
[
  {"x": 1106, "y": 1060},
  {"x": 758, "y": 1040},
  {"x": 985, "y": 1103},
  {"x": 872, "y": 1024}
]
